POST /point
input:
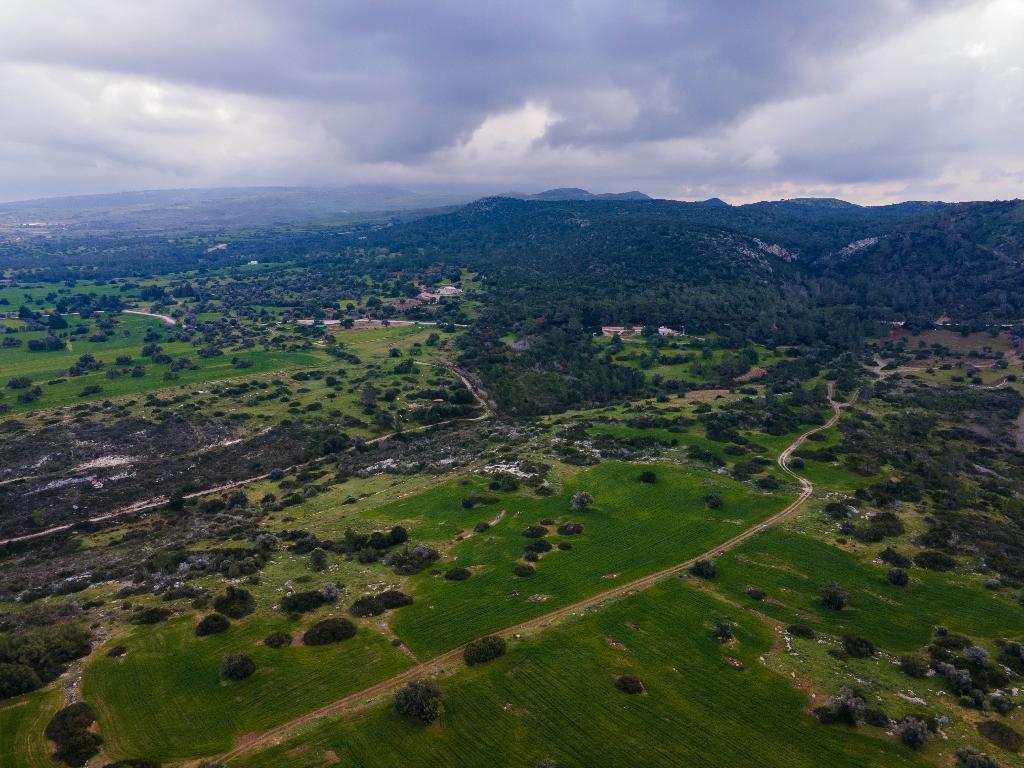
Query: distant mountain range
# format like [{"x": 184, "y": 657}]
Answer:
[{"x": 243, "y": 207}]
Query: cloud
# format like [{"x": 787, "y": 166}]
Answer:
[{"x": 872, "y": 101}]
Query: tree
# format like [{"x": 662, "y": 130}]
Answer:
[
  {"x": 235, "y": 602},
  {"x": 703, "y": 569},
  {"x": 834, "y": 597},
  {"x": 581, "y": 500},
  {"x": 332, "y": 630},
  {"x": 913, "y": 732},
  {"x": 16, "y": 679},
  {"x": 898, "y": 577},
  {"x": 483, "y": 650},
  {"x": 213, "y": 624},
  {"x": 237, "y": 666},
  {"x": 629, "y": 684},
  {"x": 318, "y": 559},
  {"x": 420, "y": 700},
  {"x": 69, "y": 730}
]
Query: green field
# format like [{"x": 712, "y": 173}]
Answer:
[
  {"x": 22, "y": 721},
  {"x": 633, "y": 529},
  {"x": 42, "y": 367},
  {"x": 553, "y": 697},
  {"x": 164, "y": 699},
  {"x": 792, "y": 568}
]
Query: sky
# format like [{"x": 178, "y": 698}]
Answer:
[{"x": 872, "y": 101}]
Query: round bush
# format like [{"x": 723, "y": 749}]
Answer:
[
  {"x": 457, "y": 574},
  {"x": 629, "y": 684},
  {"x": 535, "y": 532},
  {"x": 213, "y": 624},
  {"x": 485, "y": 649},
  {"x": 801, "y": 630},
  {"x": 703, "y": 569},
  {"x": 833, "y": 596},
  {"x": 524, "y": 569},
  {"x": 648, "y": 477},
  {"x": 235, "y": 602},
  {"x": 898, "y": 577},
  {"x": 237, "y": 666},
  {"x": 858, "y": 647},
  {"x": 277, "y": 640},
  {"x": 914, "y": 666},
  {"x": 756, "y": 594},
  {"x": 420, "y": 700},
  {"x": 570, "y": 529},
  {"x": 329, "y": 631}
]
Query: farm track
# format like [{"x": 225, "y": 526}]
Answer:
[
  {"x": 158, "y": 501},
  {"x": 365, "y": 697}
]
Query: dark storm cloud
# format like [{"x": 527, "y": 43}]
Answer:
[{"x": 527, "y": 93}]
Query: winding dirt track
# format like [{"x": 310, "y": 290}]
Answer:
[{"x": 366, "y": 696}]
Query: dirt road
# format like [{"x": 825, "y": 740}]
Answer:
[{"x": 453, "y": 658}]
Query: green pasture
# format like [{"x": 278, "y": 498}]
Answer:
[{"x": 22, "y": 722}]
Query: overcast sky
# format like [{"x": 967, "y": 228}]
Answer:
[{"x": 872, "y": 101}]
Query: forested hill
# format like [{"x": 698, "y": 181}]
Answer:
[
  {"x": 819, "y": 273},
  {"x": 907, "y": 261}
]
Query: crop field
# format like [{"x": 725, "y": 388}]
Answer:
[
  {"x": 164, "y": 698},
  {"x": 791, "y": 569},
  {"x": 22, "y": 721},
  {"x": 632, "y": 529},
  {"x": 554, "y": 697}
]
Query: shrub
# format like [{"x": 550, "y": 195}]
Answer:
[
  {"x": 898, "y": 577},
  {"x": 934, "y": 560},
  {"x": 420, "y": 700},
  {"x": 834, "y": 597},
  {"x": 539, "y": 546},
  {"x": 485, "y": 649},
  {"x": 1000, "y": 734},
  {"x": 457, "y": 574},
  {"x": 278, "y": 639},
  {"x": 756, "y": 594},
  {"x": 482, "y": 526},
  {"x": 535, "y": 532},
  {"x": 570, "y": 529},
  {"x": 877, "y": 718},
  {"x": 723, "y": 631},
  {"x": 523, "y": 569},
  {"x": 703, "y": 569},
  {"x": 16, "y": 679},
  {"x": 152, "y": 615},
  {"x": 858, "y": 647},
  {"x": 713, "y": 501},
  {"x": 914, "y": 666},
  {"x": 648, "y": 477},
  {"x": 966, "y": 757},
  {"x": 913, "y": 732},
  {"x": 846, "y": 707},
  {"x": 212, "y": 625},
  {"x": 581, "y": 500},
  {"x": 629, "y": 684},
  {"x": 237, "y": 666},
  {"x": 332, "y": 630},
  {"x": 69, "y": 730},
  {"x": 133, "y": 763},
  {"x": 302, "y": 602},
  {"x": 894, "y": 558},
  {"x": 392, "y": 598},
  {"x": 801, "y": 630},
  {"x": 235, "y": 602}
]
